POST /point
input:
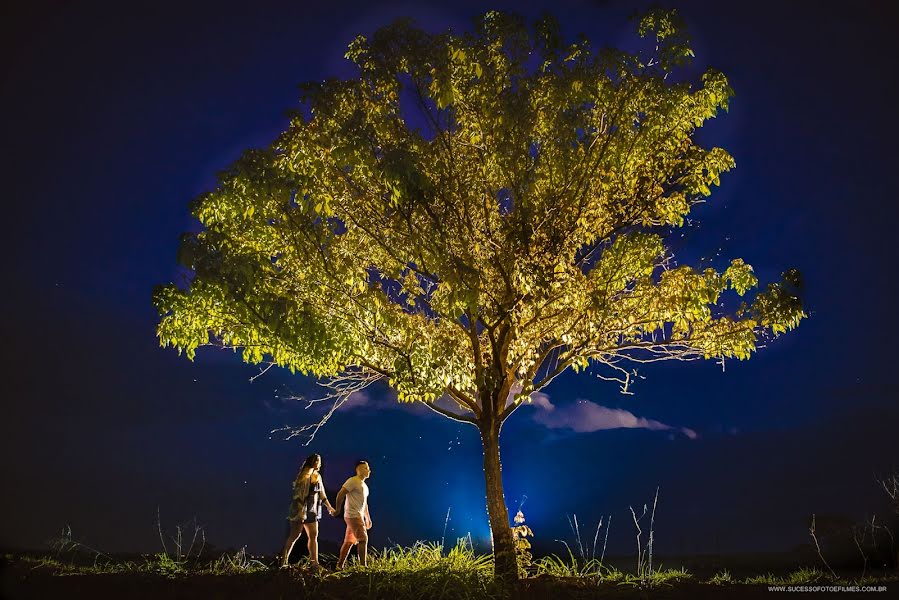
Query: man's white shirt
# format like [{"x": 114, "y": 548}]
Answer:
[{"x": 356, "y": 498}]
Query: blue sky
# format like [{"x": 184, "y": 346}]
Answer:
[{"x": 117, "y": 117}]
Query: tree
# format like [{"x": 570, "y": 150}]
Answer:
[{"x": 467, "y": 218}]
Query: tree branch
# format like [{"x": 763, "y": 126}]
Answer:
[{"x": 450, "y": 415}]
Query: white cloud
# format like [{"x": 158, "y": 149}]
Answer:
[
  {"x": 372, "y": 402},
  {"x": 581, "y": 416},
  {"x": 357, "y": 400},
  {"x": 584, "y": 416}
]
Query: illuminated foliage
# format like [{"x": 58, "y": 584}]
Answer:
[{"x": 470, "y": 216}]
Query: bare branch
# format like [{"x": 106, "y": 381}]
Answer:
[
  {"x": 262, "y": 372},
  {"x": 342, "y": 387},
  {"x": 812, "y": 532}
]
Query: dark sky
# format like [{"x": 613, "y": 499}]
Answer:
[{"x": 115, "y": 116}]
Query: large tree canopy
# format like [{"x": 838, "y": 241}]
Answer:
[{"x": 470, "y": 216}]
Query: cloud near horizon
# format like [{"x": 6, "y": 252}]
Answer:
[{"x": 583, "y": 416}]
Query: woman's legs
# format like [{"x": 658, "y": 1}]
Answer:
[
  {"x": 296, "y": 529},
  {"x": 312, "y": 533}
]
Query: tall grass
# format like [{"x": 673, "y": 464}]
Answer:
[
  {"x": 424, "y": 570},
  {"x": 557, "y": 566}
]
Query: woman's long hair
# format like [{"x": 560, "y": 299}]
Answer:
[{"x": 308, "y": 466}]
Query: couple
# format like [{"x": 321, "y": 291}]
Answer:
[{"x": 306, "y": 511}]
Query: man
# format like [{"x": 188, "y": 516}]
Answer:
[{"x": 353, "y": 500}]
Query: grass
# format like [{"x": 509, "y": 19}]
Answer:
[
  {"x": 803, "y": 576},
  {"x": 721, "y": 578},
  {"x": 424, "y": 562},
  {"x": 422, "y": 571},
  {"x": 157, "y": 564},
  {"x": 556, "y": 566},
  {"x": 596, "y": 572}
]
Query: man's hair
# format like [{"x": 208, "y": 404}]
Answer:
[{"x": 360, "y": 462}]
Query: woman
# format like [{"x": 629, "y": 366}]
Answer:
[{"x": 306, "y": 508}]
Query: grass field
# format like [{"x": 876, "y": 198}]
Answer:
[{"x": 422, "y": 571}]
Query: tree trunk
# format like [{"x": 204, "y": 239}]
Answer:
[{"x": 505, "y": 561}]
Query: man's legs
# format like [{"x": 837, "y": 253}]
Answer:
[
  {"x": 344, "y": 551},
  {"x": 363, "y": 551},
  {"x": 355, "y": 533}
]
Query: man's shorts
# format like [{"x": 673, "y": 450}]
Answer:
[{"x": 355, "y": 530}]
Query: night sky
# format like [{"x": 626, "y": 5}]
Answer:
[{"x": 116, "y": 116}]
